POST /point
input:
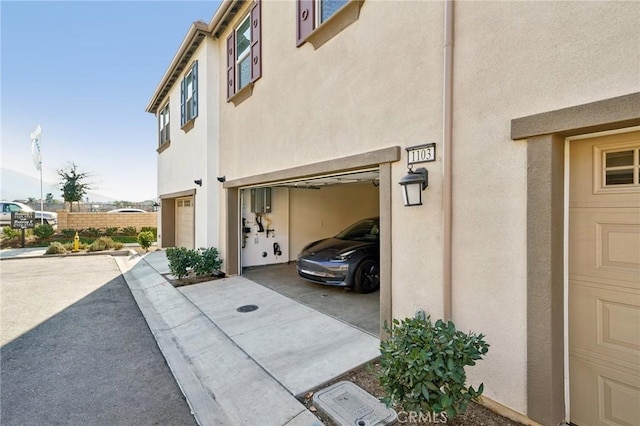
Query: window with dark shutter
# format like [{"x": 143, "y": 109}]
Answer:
[
  {"x": 314, "y": 23},
  {"x": 244, "y": 51},
  {"x": 182, "y": 103},
  {"x": 231, "y": 65},
  {"x": 306, "y": 19},
  {"x": 256, "y": 60}
]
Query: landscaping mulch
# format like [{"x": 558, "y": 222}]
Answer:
[{"x": 366, "y": 377}]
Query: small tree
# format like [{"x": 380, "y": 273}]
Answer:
[
  {"x": 73, "y": 185},
  {"x": 49, "y": 198}
]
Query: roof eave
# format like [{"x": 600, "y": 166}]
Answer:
[{"x": 197, "y": 32}]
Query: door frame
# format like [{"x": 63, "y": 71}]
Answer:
[
  {"x": 381, "y": 158},
  {"x": 545, "y": 134}
]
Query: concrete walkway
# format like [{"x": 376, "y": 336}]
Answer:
[{"x": 242, "y": 367}]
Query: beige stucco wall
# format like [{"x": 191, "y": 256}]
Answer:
[
  {"x": 193, "y": 154},
  {"x": 379, "y": 83},
  {"x": 532, "y": 57}
]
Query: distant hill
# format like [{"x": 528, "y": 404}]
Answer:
[{"x": 17, "y": 186}]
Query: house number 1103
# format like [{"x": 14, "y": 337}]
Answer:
[{"x": 421, "y": 153}]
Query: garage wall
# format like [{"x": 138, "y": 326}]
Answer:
[
  {"x": 257, "y": 243},
  {"x": 321, "y": 213}
]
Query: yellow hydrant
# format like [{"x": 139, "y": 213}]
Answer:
[{"x": 76, "y": 243}]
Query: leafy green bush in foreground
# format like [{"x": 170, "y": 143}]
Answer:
[{"x": 423, "y": 366}]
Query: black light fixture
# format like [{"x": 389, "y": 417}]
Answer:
[
  {"x": 413, "y": 183},
  {"x": 221, "y": 178},
  {"x": 198, "y": 182}
]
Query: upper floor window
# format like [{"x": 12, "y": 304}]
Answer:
[
  {"x": 163, "y": 125},
  {"x": 316, "y": 14},
  {"x": 244, "y": 62},
  {"x": 189, "y": 95},
  {"x": 326, "y": 8}
]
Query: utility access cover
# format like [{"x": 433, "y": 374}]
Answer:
[{"x": 350, "y": 405}]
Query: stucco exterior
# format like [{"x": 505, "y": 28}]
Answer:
[{"x": 379, "y": 84}]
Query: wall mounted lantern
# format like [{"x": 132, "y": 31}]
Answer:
[
  {"x": 413, "y": 183},
  {"x": 198, "y": 182}
]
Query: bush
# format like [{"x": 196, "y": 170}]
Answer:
[
  {"x": 9, "y": 233},
  {"x": 181, "y": 261},
  {"x": 104, "y": 243},
  {"x": 89, "y": 232},
  {"x": 110, "y": 231},
  {"x": 208, "y": 262},
  {"x": 55, "y": 248},
  {"x": 151, "y": 229},
  {"x": 68, "y": 233},
  {"x": 69, "y": 246},
  {"x": 423, "y": 366},
  {"x": 145, "y": 239},
  {"x": 129, "y": 230},
  {"x": 44, "y": 231}
]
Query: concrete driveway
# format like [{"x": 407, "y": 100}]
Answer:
[
  {"x": 359, "y": 310},
  {"x": 77, "y": 351}
]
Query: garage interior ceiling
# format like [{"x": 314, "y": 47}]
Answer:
[{"x": 335, "y": 179}]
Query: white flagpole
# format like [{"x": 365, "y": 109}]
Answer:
[
  {"x": 41, "y": 197},
  {"x": 36, "y": 140}
]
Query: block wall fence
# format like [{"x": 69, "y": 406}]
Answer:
[{"x": 84, "y": 220}]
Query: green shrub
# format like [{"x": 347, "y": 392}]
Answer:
[
  {"x": 9, "y": 233},
  {"x": 152, "y": 229},
  {"x": 145, "y": 239},
  {"x": 423, "y": 366},
  {"x": 129, "y": 230},
  {"x": 103, "y": 243},
  {"x": 68, "y": 233},
  {"x": 44, "y": 231},
  {"x": 89, "y": 232},
  {"x": 110, "y": 231},
  {"x": 208, "y": 261},
  {"x": 201, "y": 262},
  {"x": 181, "y": 261},
  {"x": 56, "y": 248}
]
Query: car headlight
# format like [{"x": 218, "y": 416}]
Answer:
[{"x": 342, "y": 256}]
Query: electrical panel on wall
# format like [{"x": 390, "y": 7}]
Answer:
[{"x": 261, "y": 200}]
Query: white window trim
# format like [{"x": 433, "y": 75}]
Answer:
[{"x": 245, "y": 54}]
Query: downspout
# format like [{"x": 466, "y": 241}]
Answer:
[{"x": 447, "y": 101}]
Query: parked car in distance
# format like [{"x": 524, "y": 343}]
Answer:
[
  {"x": 127, "y": 210},
  {"x": 351, "y": 259},
  {"x": 6, "y": 207}
]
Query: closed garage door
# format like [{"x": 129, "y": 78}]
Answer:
[
  {"x": 184, "y": 222},
  {"x": 604, "y": 281}
]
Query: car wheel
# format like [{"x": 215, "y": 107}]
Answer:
[{"x": 367, "y": 277}]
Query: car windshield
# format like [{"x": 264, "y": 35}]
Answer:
[
  {"x": 24, "y": 207},
  {"x": 365, "y": 230}
]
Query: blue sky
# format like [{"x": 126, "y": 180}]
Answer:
[{"x": 85, "y": 71}]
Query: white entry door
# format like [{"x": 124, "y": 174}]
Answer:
[
  {"x": 184, "y": 222},
  {"x": 604, "y": 281}
]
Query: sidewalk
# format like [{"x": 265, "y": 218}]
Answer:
[{"x": 242, "y": 367}]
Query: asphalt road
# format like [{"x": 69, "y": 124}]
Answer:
[{"x": 77, "y": 351}]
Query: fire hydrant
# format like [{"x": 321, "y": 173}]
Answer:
[{"x": 76, "y": 242}]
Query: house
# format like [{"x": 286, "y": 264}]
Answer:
[{"x": 526, "y": 116}]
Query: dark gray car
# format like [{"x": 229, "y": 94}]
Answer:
[{"x": 350, "y": 259}]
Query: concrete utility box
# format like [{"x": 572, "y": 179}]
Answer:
[{"x": 349, "y": 405}]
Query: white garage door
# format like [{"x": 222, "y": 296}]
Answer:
[
  {"x": 184, "y": 222},
  {"x": 604, "y": 281}
]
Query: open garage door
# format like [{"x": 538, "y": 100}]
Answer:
[{"x": 279, "y": 220}]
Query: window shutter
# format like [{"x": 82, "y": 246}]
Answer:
[
  {"x": 306, "y": 19},
  {"x": 231, "y": 65},
  {"x": 256, "y": 45},
  {"x": 194, "y": 98},
  {"x": 182, "y": 103}
]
